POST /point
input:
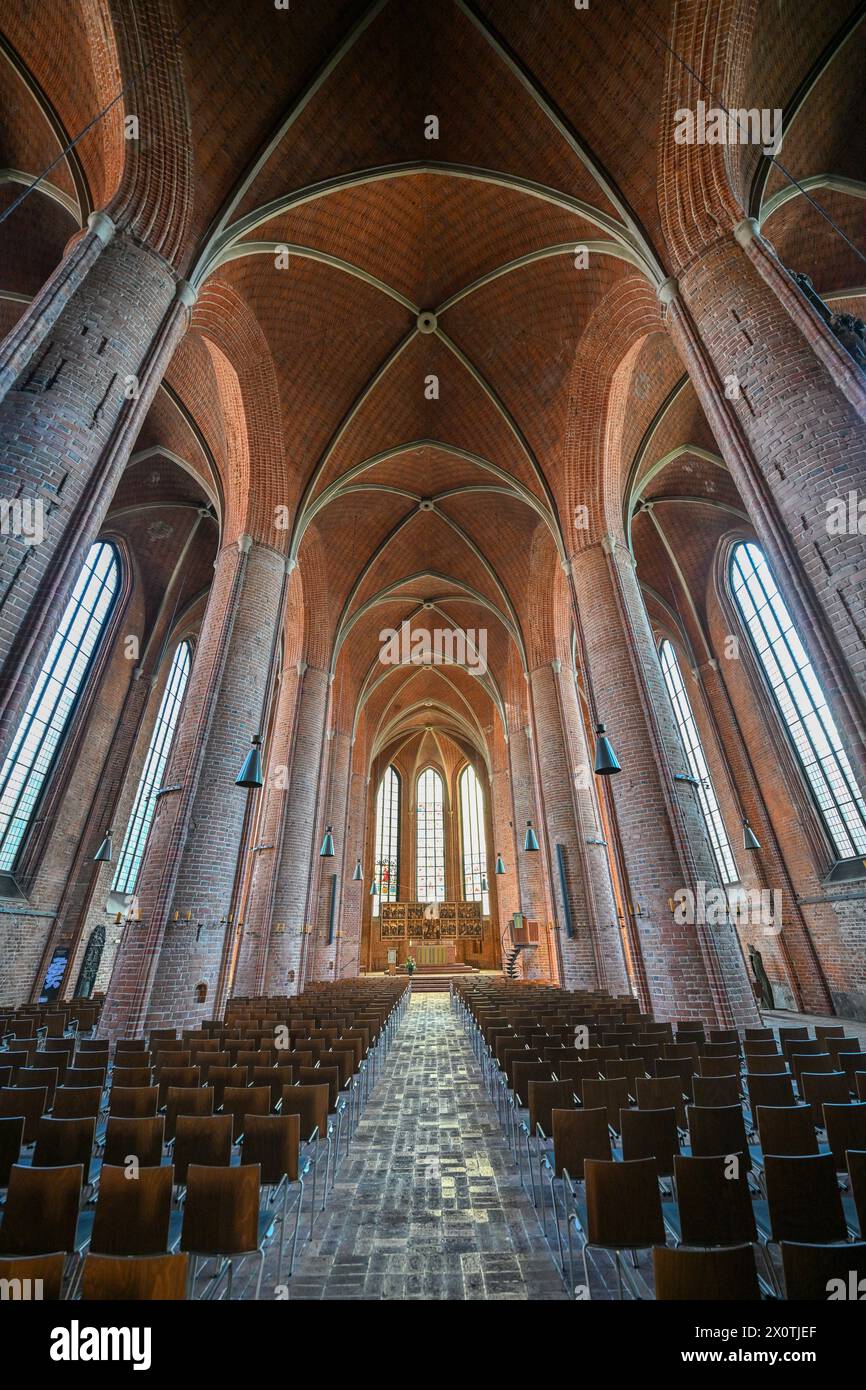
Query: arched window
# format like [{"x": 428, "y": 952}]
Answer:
[
  {"x": 49, "y": 711},
  {"x": 153, "y": 771},
  {"x": 431, "y": 837},
  {"x": 799, "y": 700},
  {"x": 694, "y": 752},
  {"x": 387, "y": 866},
  {"x": 473, "y": 843}
]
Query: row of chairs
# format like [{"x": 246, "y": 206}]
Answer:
[
  {"x": 145, "y": 1183},
  {"x": 708, "y": 1134}
]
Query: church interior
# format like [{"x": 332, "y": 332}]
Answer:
[{"x": 432, "y": 650}]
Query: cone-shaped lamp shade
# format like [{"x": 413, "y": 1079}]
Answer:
[
  {"x": 750, "y": 839},
  {"x": 606, "y": 761},
  {"x": 327, "y": 850},
  {"x": 500, "y": 867},
  {"x": 373, "y": 889},
  {"x": 530, "y": 841},
  {"x": 358, "y": 875},
  {"x": 103, "y": 854},
  {"x": 250, "y": 774},
  {"x": 484, "y": 883}
]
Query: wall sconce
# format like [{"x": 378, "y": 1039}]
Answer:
[
  {"x": 279, "y": 928},
  {"x": 307, "y": 929}
]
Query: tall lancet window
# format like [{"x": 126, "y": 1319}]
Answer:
[
  {"x": 430, "y": 807},
  {"x": 800, "y": 701},
  {"x": 472, "y": 839},
  {"x": 386, "y": 869},
  {"x": 153, "y": 771},
  {"x": 62, "y": 679},
  {"x": 691, "y": 740}
]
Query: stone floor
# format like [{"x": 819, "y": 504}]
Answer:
[{"x": 427, "y": 1205}]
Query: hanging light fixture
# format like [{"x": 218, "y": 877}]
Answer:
[
  {"x": 103, "y": 854},
  {"x": 484, "y": 883},
  {"x": 358, "y": 875},
  {"x": 327, "y": 850},
  {"x": 530, "y": 840},
  {"x": 750, "y": 839},
  {"x": 373, "y": 889},
  {"x": 606, "y": 761},
  {"x": 250, "y": 774},
  {"x": 500, "y": 867}
]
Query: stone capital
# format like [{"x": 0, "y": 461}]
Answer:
[
  {"x": 747, "y": 231},
  {"x": 102, "y": 226},
  {"x": 668, "y": 291}
]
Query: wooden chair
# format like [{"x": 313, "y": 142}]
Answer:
[
  {"x": 126, "y": 1078},
  {"x": 275, "y": 1078},
  {"x": 111, "y": 1278},
  {"x": 176, "y": 1076},
  {"x": 273, "y": 1142},
  {"x": 759, "y": 1035},
  {"x": 11, "y": 1137},
  {"x": 133, "y": 1217},
  {"x": 846, "y": 1129},
  {"x": 660, "y": 1093},
  {"x": 775, "y": 1089},
  {"x": 718, "y": 1130},
  {"x": 622, "y": 1212},
  {"x": 38, "y": 1276},
  {"x": 310, "y": 1104},
  {"x": 761, "y": 1048},
  {"x": 820, "y": 1088},
  {"x": 43, "y": 1077},
  {"x": 725, "y": 1065},
  {"x": 77, "y": 1102},
  {"x": 709, "y": 1275},
  {"x": 803, "y": 1199},
  {"x": 771, "y": 1065},
  {"x": 716, "y": 1090},
  {"x": 221, "y": 1077},
  {"x": 813, "y": 1062},
  {"x": 133, "y": 1102},
  {"x": 222, "y": 1221},
  {"x": 62, "y": 1143},
  {"x": 857, "y": 1174},
  {"x": 186, "y": 1100},
  {"x": 650, "y": 1134},
  {"x": 201, "y": 1140},
  {"x": 41, "y": 1212},
  {"x": 577, "y": 1136},
  {"x": 27, "y": 1102},
  {"x": 138, "y": 1137},
  {"x": 713, "y": 1204},
  {"x": 810, "y": 1270},
  {"x": 786, "y": 1129},
  {"x": 240, "y": 1101}
]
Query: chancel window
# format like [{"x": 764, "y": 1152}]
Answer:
[
  {"x": 63, "y": 677},
  {"x": 430, "y": 807},
  {"x": 153, "y": 771},
  {"x": 387, "y": 866},
  {"x": 691, "y": 741},
  {"x": 800, "y": 701},
  {"x": 473, "y": 843}
]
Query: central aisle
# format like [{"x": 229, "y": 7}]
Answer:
[{"x": 428, "y": 1203}]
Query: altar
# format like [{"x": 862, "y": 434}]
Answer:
[{"x": 435, "y": 953}]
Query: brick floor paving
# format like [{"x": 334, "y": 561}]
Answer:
[{"x": 428, "y": 1203}]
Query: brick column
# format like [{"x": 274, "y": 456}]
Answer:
[
  {"x": 192, "y": 852},
  {"x": 354, "y": 894},
  {"x": 592, "y": 957},
  {"x": 692, "y": 970},
  {"x": 335, "y": 812},
  {"x": 77, "y": 376},
  {"x": 289, "y": 950},
  {"x": 783, "y": 406},
  {"x": 534, "y": 902}
]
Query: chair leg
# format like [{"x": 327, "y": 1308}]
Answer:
[{"x": 256, "y": 1295}]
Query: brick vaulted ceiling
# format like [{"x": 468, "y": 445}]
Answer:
[{"x": 422, "y": 461}]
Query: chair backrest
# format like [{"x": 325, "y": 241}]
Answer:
[
  {"x": 544, "y": 1097},
  {"x": 132, "y": 1217},
  {"x": 201, "y": 1139},
  {"x": 716, "y": 1090},
  {"x": 273, "y": 1142},
  {"x": 42, "y": 1272},
  {"x": 759, "y": 1034},
  {"x": 820, "y": 1088},
  {"x": 650, "y": 1134},
  {"x": 240, "y": 1101},
  {"x": 323, "y": 1076},
  {"x": 803, "y": 1198},
  {"x": 623, "y": 1204},
  {"x": 85, "y": 1076},
  {"x": 41, "y": 1213},
  {"x": 176, "y": 1076},
  {"x": 814, "y": 1062},
  {"x": 715, "y": 1275},
  {"x": 77, "y": 1102},
  {"x": 775, "y": 1089},
  {"x": 612, "y": 1094},
  {"x": 275, "y": 1078},
  {"x": 660, "y": 1093},
  {"x": 126, "y": 1077},
  {"x": 786, "y": 1129},
  {"x": 310, "y": 1103},
  {"x": 186, "y": 1100},
  {"x": 857, "y": 1174},
  {"x": 822, "y": 1272},
  {"x": 714, "y": 1203},
  {"x": 718, "y": 1129},
  {"x": 724, "y": 1035},
  {"x": 829, "y": 1030},
  {"x": 721, "y": 1049},
  {"x": 133, "y": 1101},
  {"x": 147, "y": 1278},
  {"x": 577, "y": 1136},
  {"x": 60, "y": 1143},
  {"x": 11, "y": 1138},
  {"x": 524, "y": 1072},
  {"x": 846, "y": 1129},
  {"x": 134, "y": 1137},
  {"x": 762, "y": 1048},
  {"x": 39, "y": 1076},
  {"x": 221, "y": 1212},
  {"x": 717, "y": 1066}
]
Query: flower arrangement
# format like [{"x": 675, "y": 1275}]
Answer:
[{"x": 410, "y": 965}]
